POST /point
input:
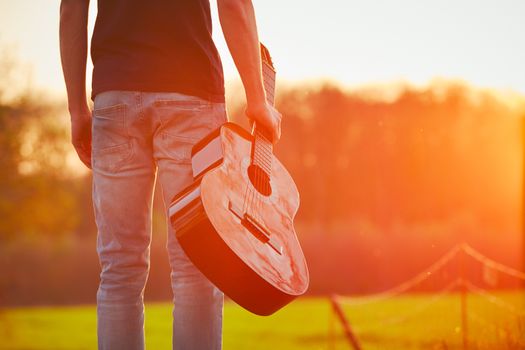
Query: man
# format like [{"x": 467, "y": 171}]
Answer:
[{"x": 157, "y": 89}]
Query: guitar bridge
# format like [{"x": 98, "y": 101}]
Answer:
[{"x": 255, "y": 228}]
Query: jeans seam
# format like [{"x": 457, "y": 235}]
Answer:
[
  {"x": 185, "y": 139},
  {"x": 189, "y": 104}
]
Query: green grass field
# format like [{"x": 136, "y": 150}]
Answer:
[{"x": 409, "y": 322}]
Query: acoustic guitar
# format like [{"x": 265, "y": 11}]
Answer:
[{"x": 235, "y": 221}]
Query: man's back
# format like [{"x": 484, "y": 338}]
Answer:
[{"x": 156, "y": 45}]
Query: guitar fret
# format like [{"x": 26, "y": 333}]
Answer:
[
  {"x": 270, "y": 76},
  {"x": 267, "y": 67},
  {"x": 260, "y": 154},
  {"x": 263, "y": 164},
  {"x": 263, "y": 161},
  {"x": 269, "y": 84},
  {"x": 264, "y": 153},
  {"x": 268, "y": 89}
]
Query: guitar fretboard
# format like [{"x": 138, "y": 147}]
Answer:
[{"x": 268, "y": 73}]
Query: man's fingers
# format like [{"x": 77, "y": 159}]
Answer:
[
  {"x": 276, "y": 135},
  {"x": 269, "y": 119},
  {"x": 86, "y": 159},
  {"x": 81, "y": 136},
  {"x": 84, "y": 154},
  {"x": 277, "y": 126},
  {"x": 277, "y": 117}
]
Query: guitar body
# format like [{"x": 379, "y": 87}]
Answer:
[{"x": 234, "y": 257}]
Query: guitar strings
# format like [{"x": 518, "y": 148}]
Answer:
[
  {"x": 260, "y": 179},
  {"x": 262, "y": 159},
  {"x": 262, "y": 154},
  {"x": 256, "y": 176}
]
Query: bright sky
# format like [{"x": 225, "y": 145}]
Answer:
[{"x": 353, "y": 42}]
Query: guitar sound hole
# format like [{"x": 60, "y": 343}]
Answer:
[{"x": 260, "y": 180}]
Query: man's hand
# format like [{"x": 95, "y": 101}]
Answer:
[
  {"x": 267, "y": 117},
  {"x": 81, "y": 135}
]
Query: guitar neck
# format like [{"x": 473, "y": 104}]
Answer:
[{"x": 268, "y": 73}]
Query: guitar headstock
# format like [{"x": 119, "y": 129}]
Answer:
[{"x": 266, "y": 58}]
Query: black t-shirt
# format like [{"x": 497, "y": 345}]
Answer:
[{"x": 156, "y": 45}]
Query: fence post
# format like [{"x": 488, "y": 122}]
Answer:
[
  {"x": 352, "y": 339},
  {"x": 331, "y": 329},
  {"x": 463, "y": 286}
]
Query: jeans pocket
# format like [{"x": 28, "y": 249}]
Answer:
[
  {"x": 110, "y": 159},
  {"x": 111, "y": 144}
]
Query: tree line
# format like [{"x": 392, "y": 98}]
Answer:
[{"x": 379, "y": 179}]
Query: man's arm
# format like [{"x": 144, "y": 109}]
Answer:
[
  {"x": 73, "y": 52},
  {"x": 238, "y": 24}
]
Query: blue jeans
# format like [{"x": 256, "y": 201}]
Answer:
[{"x": 136, "y": 134}]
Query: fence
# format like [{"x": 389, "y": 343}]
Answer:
[{"x": 507, "y": 329}]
